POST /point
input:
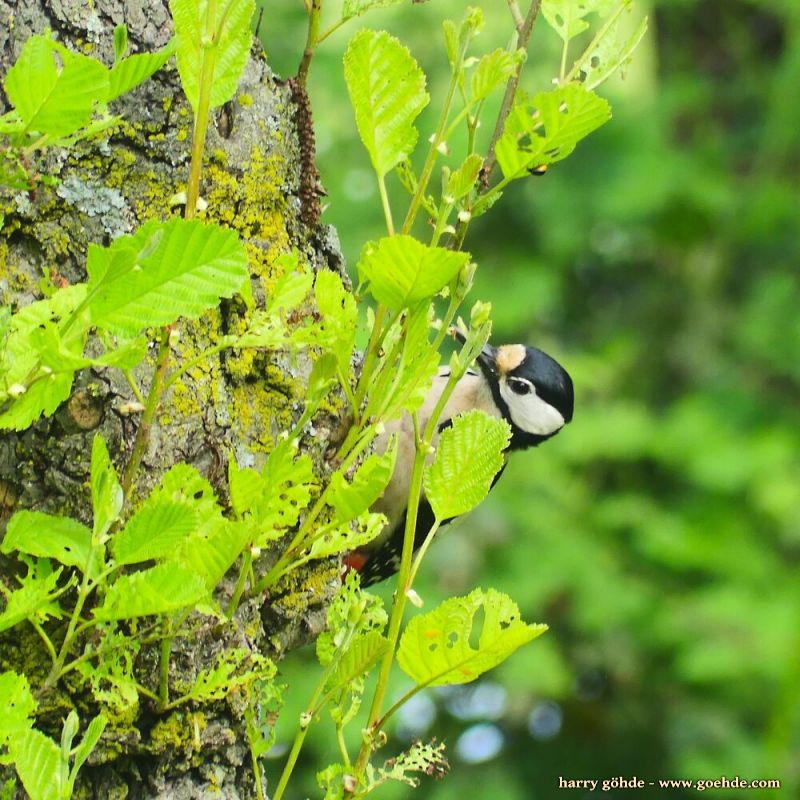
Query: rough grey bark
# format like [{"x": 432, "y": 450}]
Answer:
[{"x": 254, "y": 182}]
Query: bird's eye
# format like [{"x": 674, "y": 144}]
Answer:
[{"x": 519, "y": 386}]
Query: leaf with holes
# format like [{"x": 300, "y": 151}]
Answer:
[
  {"x": 354, "y": 8},
  {"x": 158, "y": 590},
  {"x": 221, "y": 47},
  {"x": 387, "y": 91},
  {"x": 568, "y": 17},
  {"x": 349, "y": 536},
  {"x": 436, "y": 648},
  {"x": 107, "y": 496},
  {"x": 548, "y": 127},
  {"x": 54, "y": 90},
  {"x": 468, "y": 456},
  {"x": 610, "y": 54},
  {"x": 339, "y": 317},
  {"x": 35, "y": 597},
  {"x": 354, "y": 497},
  {"x": 48, "y": 536},
  {"x": 168, "y": 270},
  {"x": 17, "y": 704},
  {"x": 403, "y": 272}
]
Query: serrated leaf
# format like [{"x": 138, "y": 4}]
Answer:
[
  {"x": 435, "y": 648},
  {"x": 232, "y": 670},
  {"x": 346, "y": 537},
  {"x": 468, "y": 456},
  {"x": 129, "y": 72},
  {"x": 17, "y": 704},
  {"x": 362, "y": 652},
  {"x": 107, "y": 495},
  {"x": 339, "y": 317},
  {"x": 387, "y": 91},
  {"x": 610, "y": 54},
  {"x": 157, "y": 528},
  {"x": 212, "y": 555},
  {"x": 38, "y": 762},
  {"x": 48, "y": 536},
  {"x": 547, "y": 128},
  {"x": 178, "y": 268},
  {"x": 403, "y": 272},
  {"x": 568, "y": 17},
  {"x": 226, "y": 46},
  {"x": 158, "y": 590},
  {"x": 461, "y": 181},
  {"x": 493, "y": 71},
  {"x": 351, "y": 498},
  {"x": 20, "y": 359},
  {"x": 34, "y": 598},
  {"x": 354, "y": 8},
  {"x": 245, "y": 486},
  {"x": 54, "y": 90},
  {"x": 353, "y": 611},
  {"x": 291, "y": 289},
  {"x": 120, "y": 41}
]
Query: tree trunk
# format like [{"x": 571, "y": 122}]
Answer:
[{"x": 258, "y": 179}]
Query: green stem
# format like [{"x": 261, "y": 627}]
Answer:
[
  {"x": 376, "y": 337},
  {"x": 420, "y": 554},
  {"x": 137, "y": 392},
  {"x": 163, "y": 665},
  {"x": 387, "y": 210},
  {"x": 208, "y": 42},
  {"x": 342, "y": 745},
  {"x": 247, "y": 562},
  {"x": 45, "y": 638},
  {"x": 433, "y": 151},
  {"x": 151, "y": 407},
  {"x": 312, "y": 40}
]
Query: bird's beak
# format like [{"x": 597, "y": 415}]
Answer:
[{"x": 487, "y": 358}]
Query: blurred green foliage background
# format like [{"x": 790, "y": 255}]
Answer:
[{"x": 659, "y": 534}]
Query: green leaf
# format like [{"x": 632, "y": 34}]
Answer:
[
  {"x": 354, "y": 8},
  {"x": 120, "y": 41},
  {"x": 403, "y": 272},
  {"x": 211, "y": 556},
  {"x": 337, "y": 331},
  {"x": 353, "y": 611},
  {"x": 609, "y": 55},
  {"x": 353, "y": 498},
  {"x": 34, "y": 598},
  {"x": 17, "y": 704},
  {"x": 179, "y": 268},
  {"x": 156, "y": 529},
  {"x": 547, "y": 128},
  {"x": 48, "y": 536},
  {"x": 468, "y": 456},
  {"x": 20, "y": 359},
  {"x": 245, "y": 486},
  {"x": 112, "y": 678},
  {"x": 159, "y": 590},
  {"x": 39, "y": 764},
  {"x": 568, "y": 17},
  {"x": 54, "y": 90},
  {"x": 494, "y": 69},
  {"x": 461, "y": 182},
  {"x": 226, "y": 46},
  {"x": 232, "y": 670},
  {"x": 362, "y": 652},
  {"x": 107, "y": 496},
  {"x": 292, "y": 288},
  {"x": 387, "y": 91},
  {"x": 435, "y": 648},
  {"x": 343, "y": 538},
  {"x": 94, "y": 730},
  {"x": 129, "y": 72}
]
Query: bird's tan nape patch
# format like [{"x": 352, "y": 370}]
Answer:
[{"x": 509, "y": 357}]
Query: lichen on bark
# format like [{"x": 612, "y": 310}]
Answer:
[{"x": 252, "y": 182}]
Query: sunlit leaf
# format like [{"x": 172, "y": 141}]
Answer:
[
  {"x": 362, "y": 652},
  {"x": 354, "y": 8},
  {"x": 468, "y": 456},
  {"x": 339, "y": 317},
  {"x": 178, "y": 268},
  {"x": 435, "y": 648},
  {"x": 493, "y": 71},
  {"x": 129, "y": 72},
  {"x": 226, "y": 45},
  {"x": 17, "y": 704},
  {"x": 348, "y": 536},
  {"x": 48, "y": 536},
  {"x": 38, "y": 762},
  {"x": 547, "y": 128},
  {"x": 461, "y": 181},
  {"x": 387, "y": 90},
  {"x": 35, "y": 597},
  {"x": 107, "y": 496},
  {"x": 610, "y": 54},
  {"x": 54, "y": 90},
  {"x": 568, "y": 17},
  {"x": 351, "y": 498},
  {"x": 159, "y": 590},
  {"x": 403, "y": 272}
]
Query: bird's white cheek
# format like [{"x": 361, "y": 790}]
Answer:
[{"x": 531, "y": 414}]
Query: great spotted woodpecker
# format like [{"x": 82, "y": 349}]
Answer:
[{"x": 523, "y": 385}]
